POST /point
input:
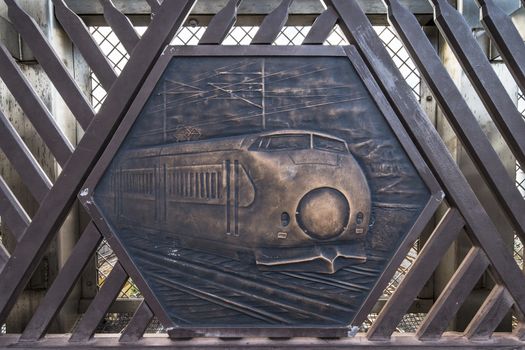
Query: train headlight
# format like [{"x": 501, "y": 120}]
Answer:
[{"x": 323, "y": 213}]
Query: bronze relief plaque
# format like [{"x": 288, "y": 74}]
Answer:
[{"x": 259, "y": 189}]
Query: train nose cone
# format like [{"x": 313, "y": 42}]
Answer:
[{"x": 323, "y": 213}]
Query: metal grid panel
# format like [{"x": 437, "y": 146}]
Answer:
[
  {"x": 520, "y": 179},
  {"x": 116, "y": 54},
  {"x": 336, "y": 37},
  {"x": 116, "y": 322},
  {"x": 290, "y": 35},
  {"x": 105, "y": 261},
  {"x": 409, "y": 323},
  {"x": 519, "y": 248},
  {"x": 241, "y": 35},
  {"x": 188, "y": 36},
  {"x": 520, "y": 173},
  {"x": 293, "y": 35},
  {"x": 402, "y": 270},
  {"x": 520, "y": 183},
  {"x": 401, "y": 58},
  {"x": 518, "y": 252}
]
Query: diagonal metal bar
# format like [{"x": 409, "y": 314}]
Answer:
[
  {"x": 55, "y": 207},
  {"x": 12, "y": 213},
  {"x": 121, "y": 25},
  {"x": 454, "y": 294},
  {"x": 519, "y": 332},
  {"x": 154, "y": 5},
  {"x": 272, "y": 24},
  {"x": 321, "y": 28},
  {"x": 51, "y": 63},
  {"x": 506, "y": 37},
  {"x": 4, "y": 256},
  {"x": 498, "y": 103},
  {"x": 63, "y": 284},
  {"x": 23, "y": 161},
  {"x": 34, "y": 108},
  {"x": 398, "y": 304},
  {"x": 220, "y": 24},
  {"x": 79, "y": 35},
  {"x": 357, "y": 27},
  {"x": 490, "y": 314},
  {"x": 428, "y": 211},
  {"x": 458, "y": 113},
  {"x": 100, "y": 305},
  {"x": 138, "y": 324}
]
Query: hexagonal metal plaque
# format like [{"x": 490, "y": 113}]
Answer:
[{"x": 258, "y": 186}]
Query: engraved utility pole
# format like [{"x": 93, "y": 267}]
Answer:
[
  {"x": 263, "y": 104},
  {"x": 165, "y": 114}
]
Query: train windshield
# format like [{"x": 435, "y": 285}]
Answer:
[
  {"x": 282, "y": 142},
  {"x": 328, "y": 144}
]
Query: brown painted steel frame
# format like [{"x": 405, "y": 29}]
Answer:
[
  {"x": 367, "y": 62},
  {"x": 207, "y": 51}
]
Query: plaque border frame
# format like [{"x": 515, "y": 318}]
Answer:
[{"x": 86, "y": 194}]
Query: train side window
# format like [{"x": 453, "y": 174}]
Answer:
[
  {"x": 256, "y": 145},
  {"x": 328, "y": 144},
  {"x": 289, "y": 142}
]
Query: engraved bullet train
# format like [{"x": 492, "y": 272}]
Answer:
[{"x": 292, "y": 200}]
